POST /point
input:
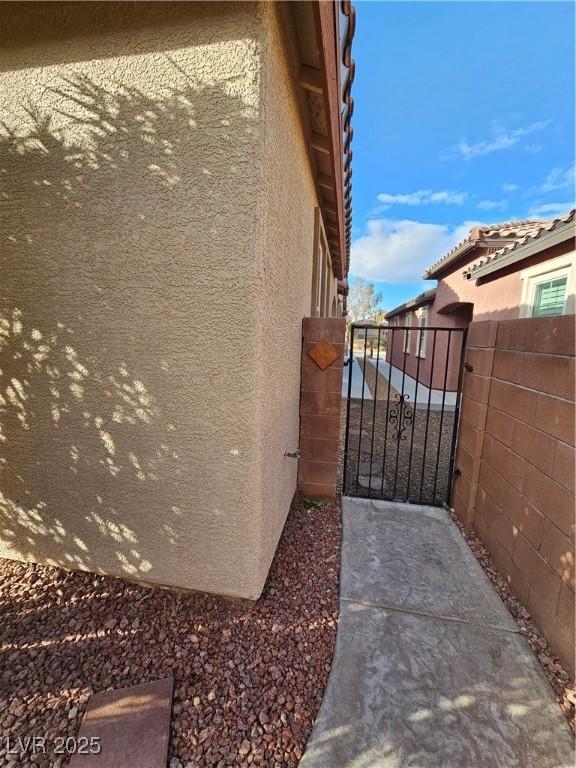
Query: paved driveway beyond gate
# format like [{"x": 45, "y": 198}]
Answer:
[{"x": 430, "y": 670}]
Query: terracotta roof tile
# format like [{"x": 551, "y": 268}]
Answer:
[
  {"x": 524, "y": 235},
  {"x": 509, "y": 230}
]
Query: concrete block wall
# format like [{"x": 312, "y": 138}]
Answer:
[
  {"x": 514, "y": 481},
  {"x": 320, "y": 409}
]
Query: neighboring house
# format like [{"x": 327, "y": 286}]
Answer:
[
  {"x": 175, "y": 199},
  {"x": 499, "y": 272}
]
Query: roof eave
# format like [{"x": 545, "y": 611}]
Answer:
[
  {"x": 418, "y": 301},
  {"x": 548, "y": 240},
  {"x": 461, "y": 250}
]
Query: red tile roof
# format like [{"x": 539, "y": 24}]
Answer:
[
  {"x": 506, "y": 230},
  {"x": 525, "y": 236}
]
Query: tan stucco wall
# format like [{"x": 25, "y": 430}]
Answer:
[
  {"x": 153, "y": 281},
  {"x": 285, "y": 280}
]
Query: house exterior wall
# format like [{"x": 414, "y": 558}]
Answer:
[
  {"x": 154, "y": 279},
  {"x": 515, "y": 463},
  {"x": 446, "y": 361},
  {"x": 498, "y": 299},
  {"x": 458, "y": 301},
  {"x": 497, "y": 296},
  {"x": 284, "y": 285}
]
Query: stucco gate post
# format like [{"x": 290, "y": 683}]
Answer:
[{"x": 320, "y": 406}]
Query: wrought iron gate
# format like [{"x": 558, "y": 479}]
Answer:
[{"x": 404, "y": 391}]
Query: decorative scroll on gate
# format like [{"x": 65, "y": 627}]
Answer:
[{"x": 401, "y": 416}]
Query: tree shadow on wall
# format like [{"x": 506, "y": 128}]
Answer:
[{"x": 94, "y": 466}]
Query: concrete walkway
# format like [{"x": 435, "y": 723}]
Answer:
[
  {"x": 407, "y": 384},
  {"x": 429, "y": 669},
  {"x": 357, "y": 381}
]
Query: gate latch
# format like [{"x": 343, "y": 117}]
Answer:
[{"x": 292, "y": 454}]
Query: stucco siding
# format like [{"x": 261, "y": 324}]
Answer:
[
  {"x": 150, "y": 320},
  {"x": 496, "y": 296},
  {"x": 499, "y": 299},
  {"x": 285, "y": 280}
]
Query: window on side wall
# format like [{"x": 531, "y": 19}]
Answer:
[
  {"x": 318, "y": 268},
  {"x": 322, "y": 274},
  {"x": 550, "y": 297},
  {"x": 422, "y": 333},
  {"x": 408, "y": 334},
  {"x": 548, "y": 289}
]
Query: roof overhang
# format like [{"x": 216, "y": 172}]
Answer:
[
  {"x": 325, "y": 80},
  {"x": 440, "y": 267},
  {"x": 418, "y": 301},
  {"x": 518, "y": 252}
]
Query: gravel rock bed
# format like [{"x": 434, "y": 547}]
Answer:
[
  {"x": 248, "y": 679},
  {"x": 409, "y": 464},
  {"x": 410, "y": 472},
  {"x": 381, "y": 391},
  {"x": 558, "y": 677}
]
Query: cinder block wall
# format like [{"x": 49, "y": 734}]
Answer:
[
  {"x": 515, "y": 463},
  {"x": 320, "y": 404}
]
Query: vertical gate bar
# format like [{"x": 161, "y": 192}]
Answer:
[
  {"x": 464, "y": 333},
  {"x": 449, "y": 344},
  {"x": 413, "y": 416},
  {"x": 391, "y": 329},
  {"x": 350, "y": 369},
  {"x": 374, "y": 415},
  {"x": 361, "y": 408},
  {"x": 431, "y": 382},
  {"x": 400, "y": 411}
]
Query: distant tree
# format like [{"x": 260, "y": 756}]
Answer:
[{"x": 363, "y": 302}]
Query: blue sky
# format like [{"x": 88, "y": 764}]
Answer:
[{"x": 464, "y": 113}]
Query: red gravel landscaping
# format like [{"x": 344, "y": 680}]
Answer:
[
  {"x": 558, "y": 677},
  {"x": 248, "y": 679}
]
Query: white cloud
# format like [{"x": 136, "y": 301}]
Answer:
[
  {"x": 423, "y": 197},
  {"x": 550, "y": 210},
  {"x": 399, "y": 251},
  {"x": 558, "y": 178},
  {"x": 502, "y": 139},
  {"x": 533, "y": 149},
  {"x": 492, "y": 205},
  {"x": 510, "y": 187}
]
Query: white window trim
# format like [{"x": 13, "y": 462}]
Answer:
[
  {"x": 324, "y": 281},
  {"x": 541, "y": 273},
  {"x": 422, "y": 315},
  {"x": 407, "y": 334}
]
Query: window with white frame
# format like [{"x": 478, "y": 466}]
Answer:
[
  {"x": 548, "y": 289},
  {"x": 408, "y": 334},
  {"x": 321, "y": 271},
  {"x": 422, "y": 333},
  {"x": 550, "y": 297}
]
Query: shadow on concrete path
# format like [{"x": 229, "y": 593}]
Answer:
[{"x": 430, "y": 670}]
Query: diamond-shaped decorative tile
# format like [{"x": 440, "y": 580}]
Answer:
[{"x": 323, "y": 354}]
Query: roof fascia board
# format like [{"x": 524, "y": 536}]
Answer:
[
  {"x": 326, "y": 19},
  {"x": 433, "y": 271},
  {"x": 409, "y": 305}
]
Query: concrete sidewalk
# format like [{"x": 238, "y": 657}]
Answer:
[
  {"x": 358, "y": 383},
  {"x": 435, "y": 398},
  {"x": 430, "y": 670}
]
